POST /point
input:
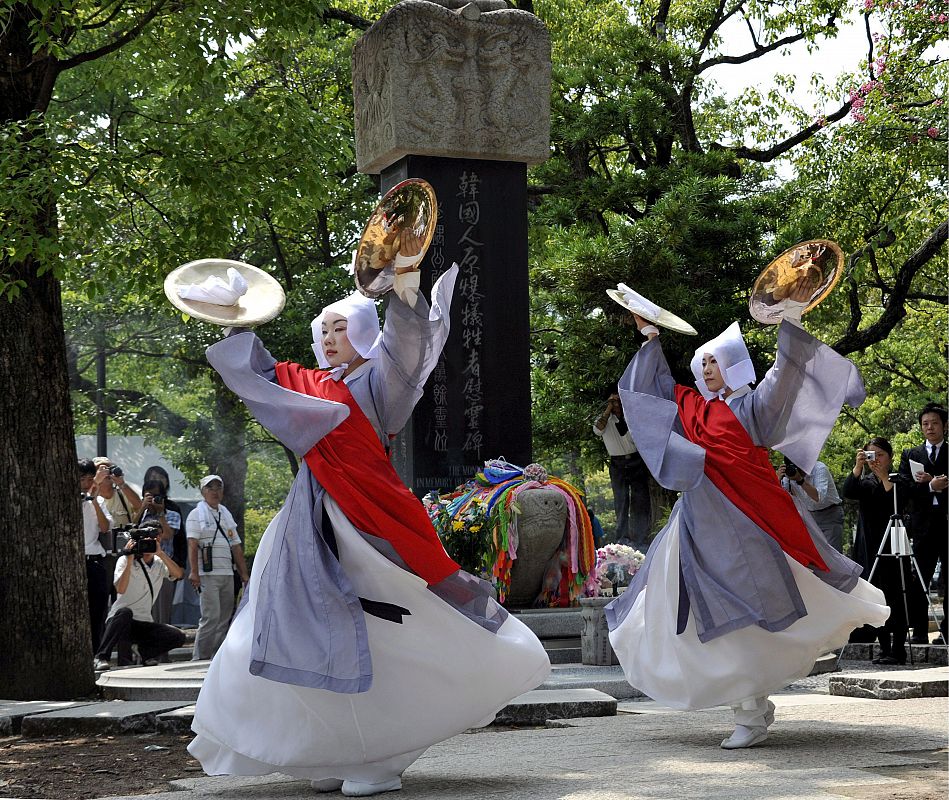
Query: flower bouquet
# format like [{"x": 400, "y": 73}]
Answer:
[{"x": 616, "y": 564}]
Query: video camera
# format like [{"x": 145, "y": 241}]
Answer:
[{"x": 145, "y": 537}]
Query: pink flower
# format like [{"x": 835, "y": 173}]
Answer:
[
  {"x": 937, "y": 102},
  {"x": 821, "y": 121},
  {"x": 858, "y": 102},
  {"x": 932, "y": 133},
  {"x": 942, "y": 17},
  {"x": 858, "y": 116},
  {"x": 867, "y": 5}
]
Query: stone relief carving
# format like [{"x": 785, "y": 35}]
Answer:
[{"x": 467, "y": 83}]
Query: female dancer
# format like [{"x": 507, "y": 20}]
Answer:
[
  {"x": 740, "y": 592},
  {"x": 874, "y": 493},
  {"x": 360, "y": 642}
]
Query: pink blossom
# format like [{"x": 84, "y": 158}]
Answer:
[
  {"x": 858, "y": 116},
  {"x": 937, "y": 102},
  {"x": 867, "y": 5},
  {"x": 942, "y": 17},
  {"x": 821, "y": 121},
  {"x": 932, "y": 133},
  {"x": 858, "y": 102}
]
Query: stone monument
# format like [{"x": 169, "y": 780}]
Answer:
[{"x": 459, "y": 94}]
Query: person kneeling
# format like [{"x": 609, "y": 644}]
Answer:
[{"x": 138, "y": 578}]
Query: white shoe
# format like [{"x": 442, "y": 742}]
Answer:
[
  {"x": 745, "y": 737},
  {"x": 769, "y": 715},
  {"x": 358, "y": 789},
  {"x": 101, "y": 664},
  {"x": 327, "y": 785}
]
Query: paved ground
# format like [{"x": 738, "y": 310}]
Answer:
[{"x": 820, "y": 747}]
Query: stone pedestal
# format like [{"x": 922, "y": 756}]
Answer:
[
  {"x": 595, "y": 647},
  {"x": 459, "y": 94}
]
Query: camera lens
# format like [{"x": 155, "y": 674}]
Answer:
[{"x": 116, "y": 471}]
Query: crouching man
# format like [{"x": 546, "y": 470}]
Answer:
[{"x": 138, "y": 578}]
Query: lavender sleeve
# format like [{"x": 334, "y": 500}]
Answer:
[
  {"x": 412, "y": 341},
  {"x": 647, "y": 391},
  {"x": 247, "y": 368},
  {"x": 796, "y": 404}
]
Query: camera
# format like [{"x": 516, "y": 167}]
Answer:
[
  {"x": 144, "y": 536},
  {"x": 791, "y": 469},
  {"x": 870, "y": 455},
  {"x": 116, "y": 471},
  {"x": 158, "y": 499}
]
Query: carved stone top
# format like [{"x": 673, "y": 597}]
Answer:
[{"x": 461, "y": 82}]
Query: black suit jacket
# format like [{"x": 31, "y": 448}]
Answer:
[{"x": 924, "y": 515}]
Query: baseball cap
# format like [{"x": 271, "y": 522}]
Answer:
[{"x": 208, "y": 478}]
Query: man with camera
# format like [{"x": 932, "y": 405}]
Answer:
[
  {"x": 95, "y": 521},
  {"x": 121, "y": 500},
  {"x": 629, "y": 478},
  {"x": 818, "y": 494},
  {"x": 138, "y": 576},
  {"x": 214, "y": 549}
]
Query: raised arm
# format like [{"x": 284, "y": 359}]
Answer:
[
  {"x": 413, "y": 336},
  {"x": 796, "y": 404},
  {"x": 647, "y": 390}
]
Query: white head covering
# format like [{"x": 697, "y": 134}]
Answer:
[
  {"x": 732, "y": 357},
  {"x": 362, "y": 327}
]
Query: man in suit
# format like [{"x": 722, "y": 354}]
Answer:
[{"x": 928, "y": 529}]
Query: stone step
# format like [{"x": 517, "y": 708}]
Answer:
[
  {"x": 607, "y": 679},
  {"x": 531, "y": 708},
  {"x": 177, "y": 681},
  {"x": 13, "y": 712},
  {"x": 551, "y": 623},
  {"x": 896, "y": 685},
  {"x": 540, "y": 705},
  {"x": 98, "y": 719},
  {"x": 563, "y": 650}
]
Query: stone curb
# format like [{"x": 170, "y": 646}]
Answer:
[
  {"x": 903, "y": 685},
  {"x": 98, "y": 719}
]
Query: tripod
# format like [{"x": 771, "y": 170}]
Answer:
[{"x": 901, "y": 548}]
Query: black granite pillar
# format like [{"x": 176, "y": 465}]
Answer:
[{"x": 477, "y": 401}]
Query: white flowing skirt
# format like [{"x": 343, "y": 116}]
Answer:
[
  {"x": 435, "y": 675},
  {"x": 683, "y": 673}
]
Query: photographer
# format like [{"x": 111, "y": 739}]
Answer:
[
  {"x": 121, "y": 500},
  {"x": 95, "y": 520},
  {"x": 629, "y": 478},
  {"x": 873, "y": 490},
  {"x": 155, "y": 509},
  {"x": 213, "y": 549},
  {"x": 138, "y": 575},
  {"x": 818, "y": 494}
]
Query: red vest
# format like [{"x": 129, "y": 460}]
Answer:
[
  {"x": 351, "y": 464},
  {"x": 742, "y": 472}
]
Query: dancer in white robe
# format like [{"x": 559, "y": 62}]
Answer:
[
  {"x": 360, "y": 642},
  {"x": 740, "y": 592}
]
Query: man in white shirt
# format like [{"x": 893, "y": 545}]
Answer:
[
  {"x": 95, "y": 520},
  {"x": 629, "y": 477},
  {"x": 818, "y": 494},
  {"x": 138, "y": 578},
  {"x": 214, "y": 549}
]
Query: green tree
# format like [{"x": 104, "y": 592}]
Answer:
[{"x": 50, "y": 164}]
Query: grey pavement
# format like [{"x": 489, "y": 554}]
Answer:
[{"x": 821, "y": 746}]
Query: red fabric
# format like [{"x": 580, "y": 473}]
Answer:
[
  {"x": 351, "y": 464},
  {"x": 742, "y": 472}
]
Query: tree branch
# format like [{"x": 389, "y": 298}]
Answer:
[
  {"x": 119, "y": 40},
  {"x": 895, "y": 307},
  {"x": 348, "y": 17},
  {"x": 764, "y": 156}
]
